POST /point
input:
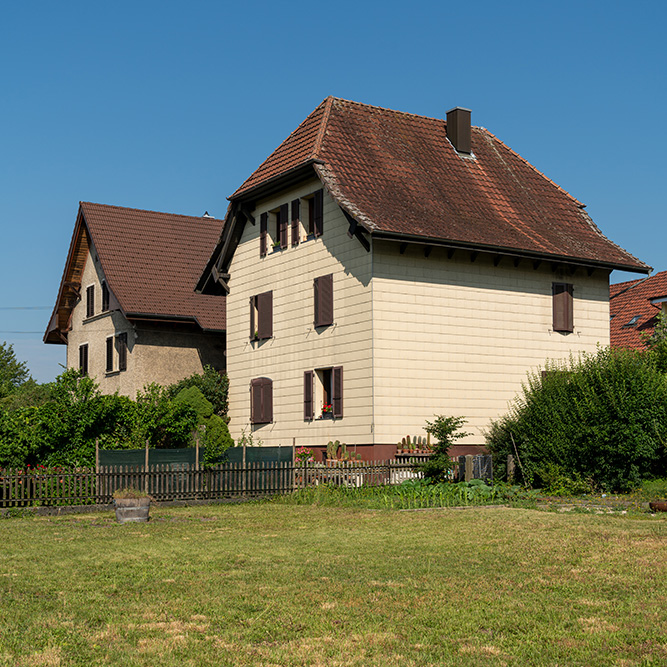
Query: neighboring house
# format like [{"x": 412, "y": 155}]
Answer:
[
  {"x": 634, "y": 308},
  {"x": 126, "y": 307},
  {"x": 382, "y": 267}
]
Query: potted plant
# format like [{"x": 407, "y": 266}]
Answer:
[
  {"x": 327, "y": 411},
  {"x": 132, "y": 505}
]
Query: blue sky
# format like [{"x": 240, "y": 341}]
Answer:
[{"x": 170, "y": 105}]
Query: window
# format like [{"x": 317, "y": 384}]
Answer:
[
  {"x": 110, "y": 346},
  {"x": 261, "y": 316},
  {"x": 563, "y": 316},
  {"x": 83, "y": 358},
  {"x": 323, "y": 291},
  {"x": 90, "y": 301},
  {"x": 261, "y": 401},
  {"x": 122, "y": 351},
  {"x": 315, "y": 213},
  {"x": 105, "y": 297},
  {"x": 296, "y": 214},
  {"x": 323, "y": 393}
]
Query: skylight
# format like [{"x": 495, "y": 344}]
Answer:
[{"x": 634, "y": 320}]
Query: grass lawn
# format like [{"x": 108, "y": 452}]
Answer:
[{"x": 270, "y": 584}]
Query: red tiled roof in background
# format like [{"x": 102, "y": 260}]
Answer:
[
  {"x": 398, "y": 173},
  {"x": 631, "y": 299},
  {"x": 151, "y": 261}
]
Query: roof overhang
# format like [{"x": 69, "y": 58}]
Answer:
[{"x": 508, "y": 252}]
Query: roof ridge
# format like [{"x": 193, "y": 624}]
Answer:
[
  {"x": 394, "y": 111},
  {"x": 328, "y": 102},
  {"x": 147, "y": 210}
]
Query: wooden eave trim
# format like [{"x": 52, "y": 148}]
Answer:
[
  {"x": 506, "y": 252},
  {"x": 277, "y": 183}
]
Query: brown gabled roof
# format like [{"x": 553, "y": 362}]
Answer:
[
  {"x": 398, "y": 175},
  {"x": 151, "y": 262},
  {"x": 633, "y": 299}
]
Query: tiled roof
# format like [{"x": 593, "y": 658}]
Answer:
[
  {"x": 397, "y": 173},
  {"x": 633, "y": 299},
  {"x": 151, "y": 261}
]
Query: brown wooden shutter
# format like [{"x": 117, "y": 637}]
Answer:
[
  {"x": 110, "y": 342},
  {"x": 267, "y": 401},
  {"x": 105, "y": 297},
  {"x": 261, "y": 401},
  {"x": 337, "y": 391},
  {"x": 90, "y": 301},
  {"x": 284, "y": 215},
  {"x": 563, "y": 307},
  {"x": 83, "y": 358},
  {"x": 122, "y": 352},
  {"x": 308, "y": 379},
  {"x": 318, "y": 215},
  {"x": 296, "y": 214},
  {"x": 263, "y": 224},
  {"x": 256, "y": 401},
  {"x": 265, "y": 315},
  {"x": 323, "y": 288},
  {"x": 253, "y": 327}
]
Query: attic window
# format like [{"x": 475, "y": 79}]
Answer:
[{"x": 633, "y": 321}]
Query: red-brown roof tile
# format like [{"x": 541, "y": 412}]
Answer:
[
  {"x": 397, "y": 173},
  {"x": 633, "y": 299},
  {"x": 151, "y": 261}
]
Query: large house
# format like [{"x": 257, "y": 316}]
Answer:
[
  {"x": 634, "y": 307},
  {"x": 126, "y": 307},
  {"x": 381, "y": 268}
]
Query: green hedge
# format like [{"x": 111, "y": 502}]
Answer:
[{"x": 601, "y": 417}]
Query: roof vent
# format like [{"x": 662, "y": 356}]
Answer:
[
  {"x": 458, "y": 129},
  {"x": 206, "y": 215}
]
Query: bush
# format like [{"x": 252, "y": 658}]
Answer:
[
  {"x": 215, "y": 434},
  {"x": 601, "y": 418},
  {"x": 444, "y": 430},
  {"x": 212, "y": 385}
]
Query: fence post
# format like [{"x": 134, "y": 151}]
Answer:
[
  {"x": 510, "y": 468},
  {"x": 146, "y": 468},
  {"x": 244, "y": 472},
  {"x": 469, "y": 471},
  {"x": 97, "y": 468}
]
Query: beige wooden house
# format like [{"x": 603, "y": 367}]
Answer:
[
  {"x": 126, "y": 306},
  {"x": 381, "y": 268}
]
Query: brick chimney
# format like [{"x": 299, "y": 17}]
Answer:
[{"x": 458, "y": 129}]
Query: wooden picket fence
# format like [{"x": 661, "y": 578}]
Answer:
[{"x": 84, "y": 486}]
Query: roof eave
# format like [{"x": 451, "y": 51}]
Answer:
[
  {"x": 277, "y": 183},
  {"x": 511, "y": 252}
]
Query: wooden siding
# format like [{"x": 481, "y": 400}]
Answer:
[
  {"x": 455, "y": 337},
  {"x": 296, "y": 347}
]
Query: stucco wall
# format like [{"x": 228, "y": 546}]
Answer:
[
  {"x": 456, "y": 337},
  {"x": 296, "y": 346},
  {"x": 163, "y": 355}
]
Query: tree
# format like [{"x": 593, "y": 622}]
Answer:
[
  {"x": 445, "y": 430},
  {"x": 13, "y": 372}
]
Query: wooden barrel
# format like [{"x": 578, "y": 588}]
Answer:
[{"x": 132, "y": 509}]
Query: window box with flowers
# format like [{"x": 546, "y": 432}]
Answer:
[{"x": 327, "y": 411}]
